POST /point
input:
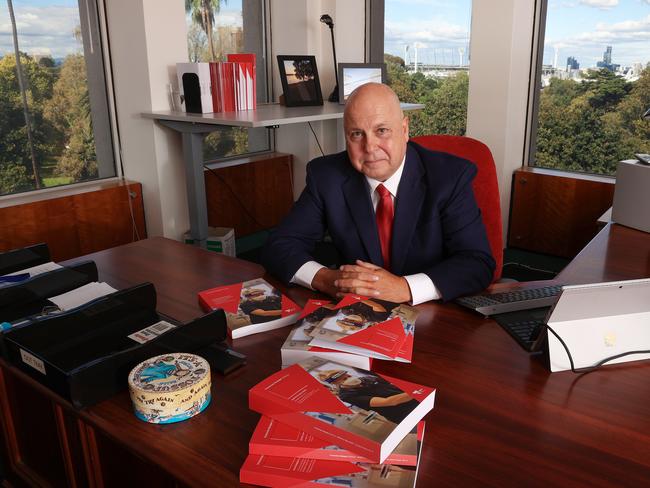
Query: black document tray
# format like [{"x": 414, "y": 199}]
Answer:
[
  {"x": 85, "y": 355},
  {"x": 30, "y": 297},
  {"x": 26, "y": 257}
]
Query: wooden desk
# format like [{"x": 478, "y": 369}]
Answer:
[{"x": 501, "y": 419}]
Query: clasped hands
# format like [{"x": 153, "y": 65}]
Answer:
[{"x": 362, "y": 278}]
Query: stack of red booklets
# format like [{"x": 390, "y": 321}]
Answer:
[
  {"x": 353, "y": 332},
  {"x": 233, "y": 82},
  {"x": 325, "y": 423}
]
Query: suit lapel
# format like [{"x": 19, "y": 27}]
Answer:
[
  {"x": 358, "y": 201},
  {"x": 408, "y": 205}
]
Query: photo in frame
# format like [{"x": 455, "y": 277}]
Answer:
[
  {"x": 300, "y": 82},
  {"x": 353, "y": 75}
]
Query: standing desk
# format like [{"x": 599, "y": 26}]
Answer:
[
  {"x": 500, "y": 418},
  {"x": 194, "y": 127}
]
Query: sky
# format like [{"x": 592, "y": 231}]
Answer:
[
  {"x": 578, "y": 28},
  {"x": 439, "y": 28},
  {"x": 44, "y": 27},
  {"x": 584, "y": 28}
]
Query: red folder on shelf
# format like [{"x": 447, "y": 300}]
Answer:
[{"x": 247, "y": 64}]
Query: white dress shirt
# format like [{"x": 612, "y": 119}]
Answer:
[{"x": 421, "y": 286}]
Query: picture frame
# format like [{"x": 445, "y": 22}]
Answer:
[
  {"x": 300, "y": 81},
  {"x": 353, "y": 75}
]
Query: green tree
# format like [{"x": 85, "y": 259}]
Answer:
[
  {"x": 445, "y": 100},
  {"x": 589, "y": 126},
  {"x": 445, "y": 109},
  {"x": 38, "y": 82},
  {"x": 14, "y": 178},
  {"x": 203, "y": 12},
  {"x": 68, "y": 112}
]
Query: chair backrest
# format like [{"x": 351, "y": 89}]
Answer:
[{"x": 485, "y": 185}]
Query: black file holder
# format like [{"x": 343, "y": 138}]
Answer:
[
  {"x": 85, "y": 354},
  {"x": 26, "y": 257},
  {"x": 30, "y": 297}
]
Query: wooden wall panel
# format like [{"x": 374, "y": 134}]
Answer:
[
  {"x": 250, "y": 197},
  {"x": 555, "y": 213},
  {"x": 77, "y": 224}
]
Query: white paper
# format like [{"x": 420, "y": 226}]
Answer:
[
  {"x": 36, "y": 270},
  {"x": 81, "y": 295}
]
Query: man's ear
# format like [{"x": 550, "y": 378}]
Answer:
[{"x": 405, "y": 127}]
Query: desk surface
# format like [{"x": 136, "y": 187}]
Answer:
[
  {"x": 500, "y": 417},
  {"x": 265, "y": 115}
]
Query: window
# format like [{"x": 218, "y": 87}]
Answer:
[
  {"x": 426, "y": 51},
  {"x": 54, "y": 125},
  {"x": 216, "y": 28},
  {"x": 592, "y": 85}
]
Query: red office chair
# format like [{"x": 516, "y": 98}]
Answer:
[{"x": 485, "y": 185}]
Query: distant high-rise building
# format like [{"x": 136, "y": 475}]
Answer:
[
  {"x": 572, "y": 63},
  {"x": 607, "y": 60},
  {"x": 607, "y": 55}
]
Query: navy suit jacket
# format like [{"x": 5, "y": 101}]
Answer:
[{"x": 437, "y": 228}]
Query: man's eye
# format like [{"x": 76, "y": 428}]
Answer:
[
  {"x": 355, "y": 135},
  {"x": 382, "y": 131}
]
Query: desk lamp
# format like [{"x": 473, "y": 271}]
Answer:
[{"x": 327, "y": 20}]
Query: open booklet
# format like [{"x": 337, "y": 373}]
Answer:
[
  {"x": 251, "y": 307},
  {"x": 296, "y": 347},
  {"x": 370, "y": 327}
]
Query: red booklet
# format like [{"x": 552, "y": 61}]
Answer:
[
  {"x": 275, "y": 471},
  {"x": 273, "y": 438},
  {"x": 371, "y": 327},
  {"x": 296, "y": 347},
  {"x": 251, "y": 307},
  {"x": 247, "y": 63},
  {"x": 355, "y": 409},
  {"x": 214, "y": 87}
]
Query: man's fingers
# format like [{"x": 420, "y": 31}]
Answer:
[
  {"x": 358, "y": 290},
  {"x": 366, "y": 265},
  {"x": 363, "y": 276},
  {"x": 353, "y": 283}
]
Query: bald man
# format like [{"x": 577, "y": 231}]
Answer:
[{"x": 403, "y": 218}]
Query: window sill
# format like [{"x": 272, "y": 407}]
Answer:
[
  {"x": 568, "y": 174},
  {"x": 60, "y": 191}
]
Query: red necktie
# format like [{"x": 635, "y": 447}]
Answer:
[{"x": 384, "y": 216}]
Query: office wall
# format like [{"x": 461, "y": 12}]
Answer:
[
  {"x": 498, "y": 88},
  {"x": 147, "y": 38},
  {"x": 296, "y": 29}
]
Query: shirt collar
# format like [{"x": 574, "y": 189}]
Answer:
[{"x": 391, "y": 184}]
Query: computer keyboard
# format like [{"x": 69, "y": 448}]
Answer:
[
  {"x": 524, "y": 326},
  {"x": 494, "y": 303}
]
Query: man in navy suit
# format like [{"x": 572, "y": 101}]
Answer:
[{"x": 403, "y": 218}]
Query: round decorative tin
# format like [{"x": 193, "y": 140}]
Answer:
[{"x": 170, "y": 388}]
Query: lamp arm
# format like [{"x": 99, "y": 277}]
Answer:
[{"x": 336, "y": 70}]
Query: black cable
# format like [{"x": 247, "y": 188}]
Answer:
[
  {"x": 589, "y": 369},
  {"x": 316, "y": 137},
  {"x": 234, "y": 194}
]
